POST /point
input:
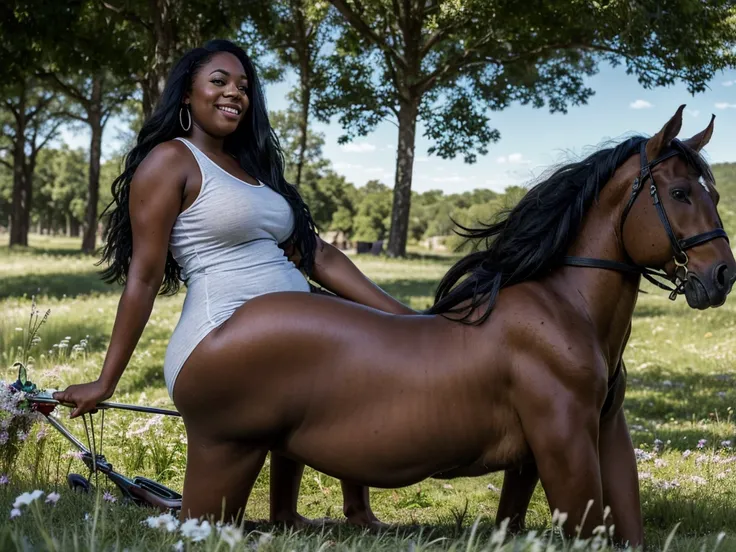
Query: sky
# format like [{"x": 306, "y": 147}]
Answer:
[{"x": 531, "y": 139}]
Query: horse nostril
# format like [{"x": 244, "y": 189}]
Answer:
[{"x": 721, "y": 276}]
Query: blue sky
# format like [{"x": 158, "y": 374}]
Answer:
[{"x": 531, "y": 139}]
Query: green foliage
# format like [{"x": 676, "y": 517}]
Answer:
[
  {"x": 465, "y": 58},
  {"x": 60, "y": 189},
  {"x": 725, "y": 176},
  {"x": 373, "y": 215},
  {"x": 450, "y": 63},
  {"x": 679, "y": 390}
]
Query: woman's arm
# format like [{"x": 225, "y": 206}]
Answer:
[
  {"x": 155, "y": 196},
  {"x": 336, "y": 272}
]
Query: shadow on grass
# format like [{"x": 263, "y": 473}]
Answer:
[
  {"x": 55, "y": 251},
  {"x": 404, "y": 290},
  {"x": 55, "y": 285},
  {"x": 658, "y": 395}
]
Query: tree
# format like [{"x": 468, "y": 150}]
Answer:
[
  {"x": 161, "y": 30},
  {"x": 60, "y": 190},
  {"x": 373, "y": 212},
  {"x": 447, "y": 63},
  {"x": 30, "y": 29},
  {"x": 30, "y": 119},
  {"x": 296, "y": 31},
  {"x": 93, "y": 74},
  {"x": 93, "y": 98}
]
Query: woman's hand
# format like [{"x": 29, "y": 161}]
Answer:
[{"x": 84, "y": 396}]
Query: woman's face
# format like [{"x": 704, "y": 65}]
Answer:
[{"x": 218, "y": 99}]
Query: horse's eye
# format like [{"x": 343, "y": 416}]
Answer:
[{"x": 679, "y": 195}]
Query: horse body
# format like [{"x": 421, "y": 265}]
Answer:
[
  {"x": 382, "y": 379},
  {"x": 386, "y": 400}
]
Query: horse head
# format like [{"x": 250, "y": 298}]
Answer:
[{"x": 671, "y": 220}]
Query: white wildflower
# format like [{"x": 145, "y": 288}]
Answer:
[
  {"x": 14, "y": 513},
  {"x": 165, "y": 521},
  {"x": 231, "y": 535},
  {"x": 192, "y": 529},
  {"x": 27, "y": 498},
  {"x": 53, "y": 498}
]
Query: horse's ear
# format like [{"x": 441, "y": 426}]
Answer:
[
  {"x": 700, "y": 140},
  {"x": 661, "y": 141}
]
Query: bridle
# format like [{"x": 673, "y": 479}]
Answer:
[{"x": 679, "y": 246}]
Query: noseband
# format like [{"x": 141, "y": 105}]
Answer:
[{"x": 679, "y": 247}]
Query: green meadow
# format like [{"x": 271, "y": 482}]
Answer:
[{"x": 679, "y": 407}]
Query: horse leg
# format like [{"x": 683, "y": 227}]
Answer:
[
  {"x": 286, "y": 475},
  {"x": 620, "y": 480},
  {"x": 219, "y": 477},
  {"x": 357, "y": 506},
  {"x": 518, "y": 487},
  {"x": 563, "y": 436}
]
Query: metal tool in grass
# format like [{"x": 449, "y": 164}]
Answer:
[{"x": 139, "y": 490}]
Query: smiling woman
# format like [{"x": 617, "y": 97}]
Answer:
[{"x": 203, "y": 200}]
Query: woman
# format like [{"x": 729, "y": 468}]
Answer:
[{"x": 203, "y": 199}]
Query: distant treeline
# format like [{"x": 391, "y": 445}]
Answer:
[{"x": 341, "y": 210}]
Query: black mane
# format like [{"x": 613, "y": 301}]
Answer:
[{"x": 530, "y": 239}]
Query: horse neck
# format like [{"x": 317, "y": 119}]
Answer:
[{"x": 607, "y": 297}]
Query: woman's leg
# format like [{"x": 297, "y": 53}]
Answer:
[{"x": 219, "y": 478}]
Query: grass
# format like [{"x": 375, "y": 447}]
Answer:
[{"x": 681, "y": 391}]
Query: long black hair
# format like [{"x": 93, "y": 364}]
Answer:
[
  {"x": 530, "y": 239},
  {"x": 254, "y": 144}
]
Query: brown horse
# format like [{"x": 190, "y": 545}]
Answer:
[{"x": 516, "y": 367}]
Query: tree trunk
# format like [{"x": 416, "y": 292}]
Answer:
[
  {"x": 95, "y": 152},
  {"x": 162, "y": 13},
  {"x": 402, "y": 184},
  {"x": 305, "y": 89},
  {"x": 20, "y": 203},
  {"x": 303, "y": 126},
  {"x": 28, "y": 170}
]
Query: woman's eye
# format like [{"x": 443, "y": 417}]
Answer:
[{"x": 217, "y": 81}]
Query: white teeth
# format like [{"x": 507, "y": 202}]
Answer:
[{"x": 228, "y": 109}]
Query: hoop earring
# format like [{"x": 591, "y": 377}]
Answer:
[{"x": 189, "y": 117}]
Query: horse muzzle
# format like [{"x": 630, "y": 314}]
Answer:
[{"x": 710, "y": 290}]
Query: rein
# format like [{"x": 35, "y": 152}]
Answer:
[{"x": 679, "y": 247}]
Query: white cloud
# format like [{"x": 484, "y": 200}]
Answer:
[
  {"x": 640, "y": 104},
  {"x": 729, "y": 83},
  {"x": 724, "y": 105},
  {"x": 341, "y": 166},
  {"x": 358, "y": 147},
  {"x": 512, "y": 159},
  {"x": 422, "y": 159},
  {"x": 692, "y": 112},
  {"x": 516, "y": 158}
]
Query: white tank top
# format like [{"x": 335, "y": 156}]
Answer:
[{"x": 226, "y": 243}]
